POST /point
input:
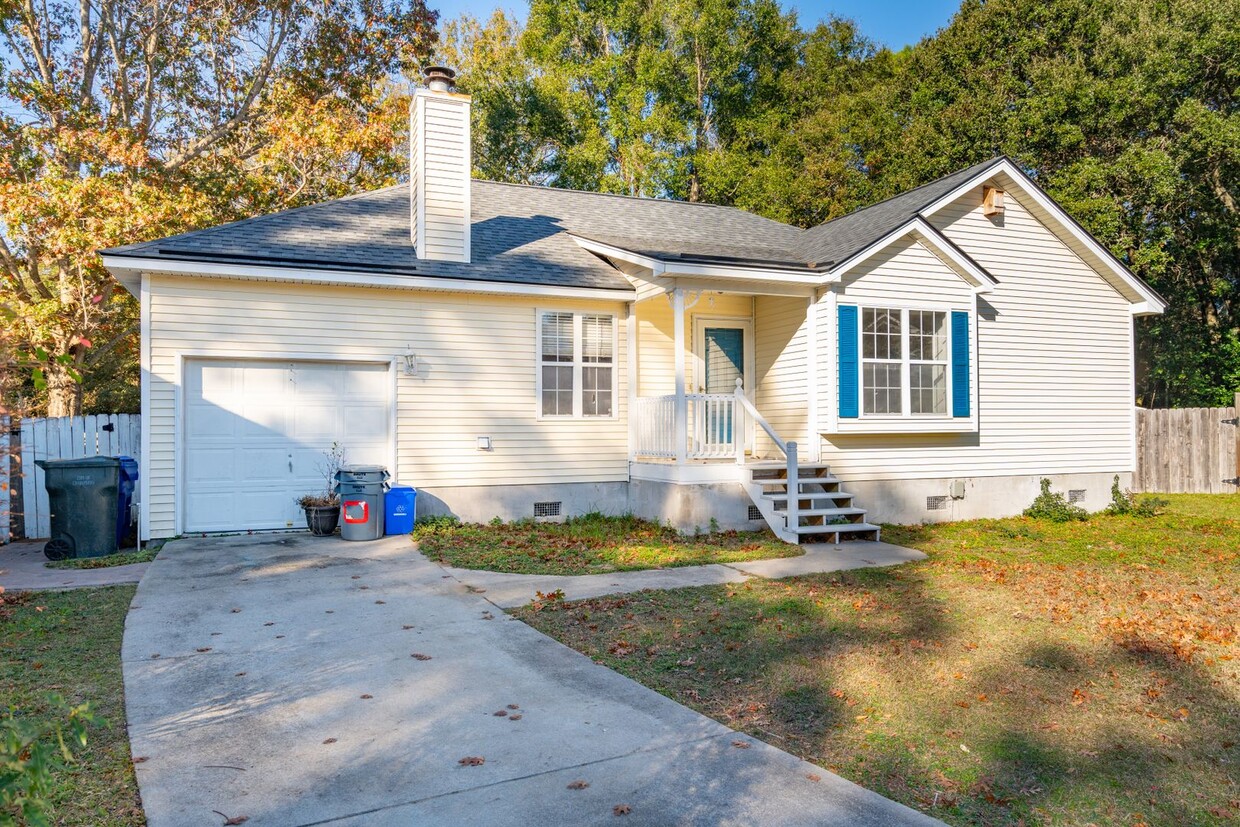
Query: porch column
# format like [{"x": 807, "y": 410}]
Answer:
[
  {"x": 813, "y": 441},
  {"x": 630, "y": 344},
  {"x": 682, "y": 404}
]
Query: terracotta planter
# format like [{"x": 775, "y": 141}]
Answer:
[{"x": 322, "y": 519}]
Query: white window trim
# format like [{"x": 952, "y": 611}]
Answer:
[
  {"x": 578, "y": 389},
  {"x": 907, "y": 422}
]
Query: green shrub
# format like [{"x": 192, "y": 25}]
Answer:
[
  {"x": 31, "y": 751},
  {"x": 434, "y": 525},
  {"x": 1053, "y": 506},
  {"x": 1125, "y": 503}
]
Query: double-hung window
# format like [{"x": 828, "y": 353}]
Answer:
[
  {"x": 904, "y": 362},
  {"x": 577, "y": 364}
]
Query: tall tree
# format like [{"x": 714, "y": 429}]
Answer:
[{"x": 122, "y": 120}]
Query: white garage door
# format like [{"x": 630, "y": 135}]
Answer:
[{"x": 255, "y": 433}]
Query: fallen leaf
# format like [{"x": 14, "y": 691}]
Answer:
[
  {"x": 203, "y": 649},
  {"x": 329, "y": 740},
  {"x": 741, "y": 744},
  {"x": 472, "y": 761},
  {"x": 231, "y": 822},
  {"x": 235, "y": 611},
  {"x": 420, "y": 656},
  {"x": 500, "y": 713},
  {"x": 812, "y": 777},
  {"x": 406, "y": 628},
  {"x": 154, "y": 656},
  {"x": 621, "y": 810},
  {"x": 380, "y": 602},
  {"x": 269, "y": 623},
  {"x": 513, "y": 706},
  {"x": 367, "y": 697},
  {"x": 514, "y": 717},
  {"x": 141, "y": 759},
  {"x": 239, "y": 675},
  {"x": 578, "y": 785}
]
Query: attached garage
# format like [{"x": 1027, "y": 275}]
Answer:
[{"x": 255, "y": 433}]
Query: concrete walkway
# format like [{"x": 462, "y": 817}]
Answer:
[
  {"x": 309, "y": 681},
  {"x": 22, "y": 569},
  {"x": 510, "y": 590}
]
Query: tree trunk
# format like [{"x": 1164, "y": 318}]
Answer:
[{"x": 64, "y": 396}]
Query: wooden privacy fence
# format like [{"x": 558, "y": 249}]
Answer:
[
  {"x": 69, "y": 437},
  {"x": 1188, "y": 450}
]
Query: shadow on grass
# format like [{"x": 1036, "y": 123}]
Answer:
[{"x": 957, "y": 703}]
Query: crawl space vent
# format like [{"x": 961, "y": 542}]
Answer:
[
  {"x": 937, "y": 503},
  {"x": 1076, "y": 495},
  {"x": 755, "y": 513},
  {"x": 551, "y": 509}
]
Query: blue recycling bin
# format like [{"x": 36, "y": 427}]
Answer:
[
  {"x": 399, "y": 509},
  {"x": 124, "y": 498}
]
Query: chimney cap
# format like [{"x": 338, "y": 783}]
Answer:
[{"x": 439, "y": 78}]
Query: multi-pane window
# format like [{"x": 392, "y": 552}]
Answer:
[
  {"x": 904, "y": 361},
  {"x": 577, "y": 364},
  {"x": 882, "y": 351}
]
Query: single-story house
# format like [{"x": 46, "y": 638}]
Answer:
[{"x": 521, "y": 351}]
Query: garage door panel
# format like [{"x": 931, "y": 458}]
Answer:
[
  {"x": 256, "y": 433},
  {"x": 317, "y": 423},
  {"x": 205, "y": 465},
  {"x": 366, "y": 422}
]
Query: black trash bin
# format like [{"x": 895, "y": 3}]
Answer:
[{"x": 83, "y": 499}]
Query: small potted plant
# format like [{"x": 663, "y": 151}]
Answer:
[{"x": 323, "y": 508}]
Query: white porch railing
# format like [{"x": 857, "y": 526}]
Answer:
[{"x": 714, "y": 425}]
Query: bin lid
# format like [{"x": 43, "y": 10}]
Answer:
[
  {"x": 398, "y": 487},
  {"x": 79, "y": 462}
]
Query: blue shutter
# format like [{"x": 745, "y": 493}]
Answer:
[
  {"x": 848, "y": 368},
  {"x": 960, "y": 363}
]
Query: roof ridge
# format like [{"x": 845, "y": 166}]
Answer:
[
  {"x": 981, "y": 166},
  {"x": 647, "y": 198}
]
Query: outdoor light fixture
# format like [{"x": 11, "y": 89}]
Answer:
[
  {"x": 484, "y": 443},
  {"x": 411, "y": 362}
]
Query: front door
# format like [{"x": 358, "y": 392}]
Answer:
[{"x": 722, "y": 359}]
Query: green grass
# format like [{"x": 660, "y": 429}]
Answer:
[
  {"x": 589, "y": 545},
  {"x": 69, "y": 643},
  {"x": 123, "y": 558},
  {"x": 1027, "y": 672}
]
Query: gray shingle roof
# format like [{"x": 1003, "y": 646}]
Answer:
[
  {"x": 839, "y": 238},
  {"x": 523, "y": 234}
]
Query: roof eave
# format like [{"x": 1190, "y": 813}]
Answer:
[{"x": 129, "y": 269}]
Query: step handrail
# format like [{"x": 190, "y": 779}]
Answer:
[{"x": 792, "y": 516}]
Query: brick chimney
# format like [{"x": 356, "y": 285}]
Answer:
[{"x": 439, "y": 164}]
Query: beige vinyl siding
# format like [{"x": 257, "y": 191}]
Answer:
[
  {"x": 477, "y": 375},
  {"x": 1053, "y": 383},
  {"x": 656, "y": 367},
  {"x": 782, "y": 388}
]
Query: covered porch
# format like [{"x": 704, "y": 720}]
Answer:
[{"x": 722, "y": 374}]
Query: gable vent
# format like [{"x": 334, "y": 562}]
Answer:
[
  {"x": 937, "y": 503},
  {"x": 548, "y": 509}
]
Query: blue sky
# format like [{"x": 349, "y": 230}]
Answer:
[{"x": 896, "y": 23}]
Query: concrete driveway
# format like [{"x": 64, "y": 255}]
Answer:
[{"x": 295, "y": 680}]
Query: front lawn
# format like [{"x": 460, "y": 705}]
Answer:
[
  {"x": 1027, "y": 672},
  {"x": 69, "y": 643},
  {"x": 588, "y": 545}
]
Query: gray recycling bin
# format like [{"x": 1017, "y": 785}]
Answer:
[
  {"x": 82, "y": 498},
  {"x": 361, "y": 489}
]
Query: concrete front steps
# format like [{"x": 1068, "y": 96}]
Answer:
[{"x": 826, "y": 513}]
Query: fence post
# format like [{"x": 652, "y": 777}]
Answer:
[
  {"x": 1237, "y": 438},
  {"x": 794, "y": 489}
]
